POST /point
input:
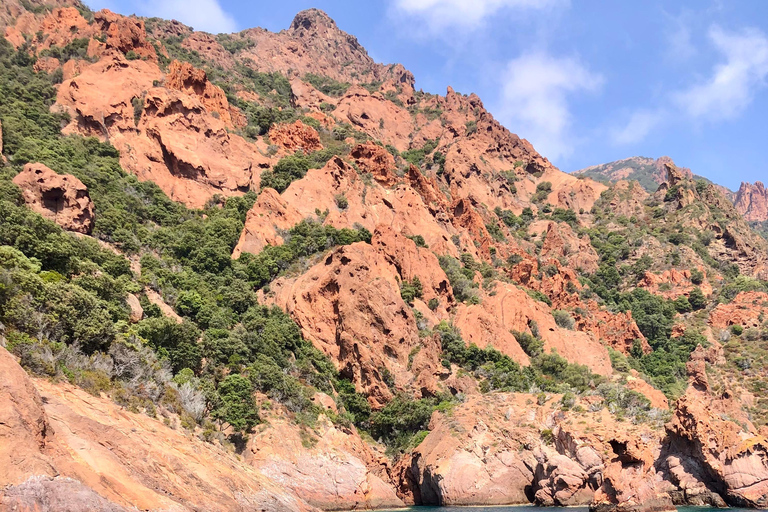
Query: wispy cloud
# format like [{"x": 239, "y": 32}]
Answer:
[
  {"x": 535, "y": 99},
  {"x": 205, "y": 15},
  {"x": 733, "y": 83},
  {"x": 725, "y": 93},
  {"x": 465, "y": 14},
  {"x": 640, "y": 124}
]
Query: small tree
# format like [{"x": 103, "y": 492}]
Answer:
[
  {"x": 697, "y": 299},
  {"x": 410, "y": 291},
  {"x": 237, "y": 407}
]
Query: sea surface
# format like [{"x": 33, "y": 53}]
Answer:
[{"x": 531, "y": 508}]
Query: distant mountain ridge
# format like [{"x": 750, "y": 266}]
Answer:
[
  {"x": 751, "y": 200},
  {"x": 649, "y": 172}
]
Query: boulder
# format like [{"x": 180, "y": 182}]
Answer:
[{"x": 61, "y": 198}]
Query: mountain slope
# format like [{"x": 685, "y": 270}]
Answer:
[{"x": 291, "y": 254}]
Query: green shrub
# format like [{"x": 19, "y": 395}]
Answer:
[
  {"x": 563, "y": 319},
  {"x": 697, "y": 299},
  {"x": 326, "y": 85},
  {"x": 341, "y": 201},
  {"x": 530, "y": 344},
  {"x": 411, "y": 291},
  {"x": 419, "y": 240},
  {"x": 464, "y": 288},
  {"x": 697, "y": 276}
]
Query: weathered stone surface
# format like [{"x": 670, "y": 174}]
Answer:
[
  {"x": 339, "y": 472},
  {"x": 349, "y": 306},
  {"x": 752, "y": 201},
  {"x": 131, "y": 460},
  {"x": 294, "y": 137},
  {"x": 716, "y": 434},
  {"x": 747, "y": 309},
  {"x": 182, "y": 76},
  {"x": 61, "y": 198}
]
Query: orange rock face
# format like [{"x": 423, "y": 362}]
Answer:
[
  {"x": 295, "y": 136},
  {"x": 748, "y": 310},
  {"x": 368, "y": 205},
  {"x": 171, "y": 139},
  {"x": 377, "y": 161},
  {"x": 490, "y": 451},
  {"x": 125, "y": 34},
  {"x": 314, "y": 44},
  {"x": 719, "y": 436},
  {"x": 413, "y": 262},
  {"x": 183, "y": 77},
  {"x": 752, "y": 201},
  {"x": 270, "y": 214},
  {"x": 511, "y": 308},
  {"x": 561, "y": 242},
  {"x": 376, "y": 116},
  {"x": 128, "y": 459},
  {"x": 361, "y": 477},
  {"x": 349, "y": 306},
  {"x": 676, "y": 282},
  {"x": 61, "y": 198}
]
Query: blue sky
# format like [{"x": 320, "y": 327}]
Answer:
[{"x": 585, "y": 81}]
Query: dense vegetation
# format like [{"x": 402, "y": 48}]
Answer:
[{"x": 63, "y": 298}]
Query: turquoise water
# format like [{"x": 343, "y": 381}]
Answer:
[{"x": 530, "y": 508}]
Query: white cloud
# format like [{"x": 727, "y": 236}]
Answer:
[
  {"x": 205, "y": 15},
  {"x": 733, "y": 83},
  {"x": 465, "y": 13},
  {"x": 535, "y": 92},
  {"x": 640, "y": 124}
]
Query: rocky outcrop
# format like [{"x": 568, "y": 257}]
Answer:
[
  {"x": 61, "y": 198},
  {"x": 508, "y": 448},
  {"x": 368, "y": 204},
  {"x": 377, "y": 161},
  {"x": 674, "y": 283},
  {"x": 702, "y": 206},
  {"x": 747, "y": 309},
  {"x": 183, "y": 77},
  {"x": 649, "y": 173},
  {"x": 412, "y": 262},
  {"x": 339, "y": 472},
  {"x": 717, "y": 436},
  {"x": 125, "y": 34},
  {"x": 166, "y": 136},
  {"x": 510, "y": 308},
  {"x": 54, "y": 494},
  {"x": 752, "y": 201},
  {"x": 314, "y": 44},
  {"x": 87, "y": 450},
  {"x": 295, "y": 136},
  {"x": 374, "y": 115},
  {"x": 560, "y": 242},
  {"x": 269, "y": 216},
  {"x": 349, "y": 306}
]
